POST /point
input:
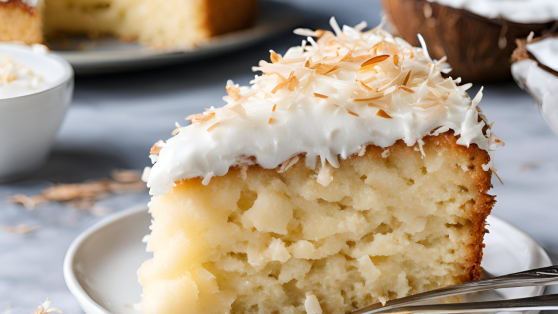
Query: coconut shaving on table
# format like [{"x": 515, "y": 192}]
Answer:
[{"x": 330, "y": 97}]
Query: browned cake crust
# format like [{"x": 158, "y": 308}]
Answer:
[
  {"x": 20, "y": 22},
  {"x": 482, "y": 204},
  {"x": 230, "y": 15}
]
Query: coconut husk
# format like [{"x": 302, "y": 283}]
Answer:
[
  {"x": 477, "y": 48},
  {"x": 521, "y": 53}
]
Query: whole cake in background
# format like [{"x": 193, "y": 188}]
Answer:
[
  {"x": 535, "y": 69},
  {"x": 477, "y": 36},
  {"x": 161, "y": 24},
  {"x": 352, "y": 171}
]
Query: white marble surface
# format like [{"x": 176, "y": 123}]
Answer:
[{"x": 114, "y": 120}]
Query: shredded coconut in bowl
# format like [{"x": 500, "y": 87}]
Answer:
[{"x": 16, "y": 79}]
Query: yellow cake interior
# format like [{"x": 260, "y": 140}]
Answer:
[{"x": 384, "y": 225}]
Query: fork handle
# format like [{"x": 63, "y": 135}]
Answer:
[
  {"x": 544, "y": 302},
  {"x": 536, "y": 277}
]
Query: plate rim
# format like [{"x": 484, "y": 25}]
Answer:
[{"x": 85, "y": 300}]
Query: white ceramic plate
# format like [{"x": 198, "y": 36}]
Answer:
[
  {"x": 108, "y": 55},
  {"x": 100, "y": 266}
]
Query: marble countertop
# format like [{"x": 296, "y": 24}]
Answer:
[{"x": 113, "y": 121}]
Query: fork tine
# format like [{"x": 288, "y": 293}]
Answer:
[
  {"x": 544, "y": 302},
  {"x": 536, "y": 277}
]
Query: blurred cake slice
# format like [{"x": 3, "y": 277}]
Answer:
[
  {"x": 169, "y": 24},
  {"x": 350, "y": 172},
  {"x": 161, "y": 24},
  {"x": 20, "y": 21},
  {"x": 535, "y": 69}
]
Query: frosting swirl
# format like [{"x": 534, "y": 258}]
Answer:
[{"x": 326, "y": 99}]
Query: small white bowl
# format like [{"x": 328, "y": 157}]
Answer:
[{"x": 29, "y": 123}]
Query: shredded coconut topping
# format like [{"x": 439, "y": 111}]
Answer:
[
  {"x": 326, "y": 99},
  {"x": 16, "y": 78}
]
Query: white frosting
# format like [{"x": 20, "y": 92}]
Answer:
[
  {"x": 284, "y": 112},
  {"x": 31, "y": 3},
  {"x": 16, "y": 79},
  {"x": 520, "y": 11},
  {"x": 545, "y": 51},
  {"x": 542, "y": 85}
]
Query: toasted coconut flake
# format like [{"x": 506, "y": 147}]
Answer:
[
  {"x": 347, "y": 56},
  {"x": 352, "y": 113},
  {"x": 366, "y": 86},
  {"x": 155, "y": 150},
  {"x": 21, "y": 229},
  {"x": 126, "y": 176},
  {"x": 320, "y": 96},
  {"x": 177, "y": 129},
  {"x": 497, "y": 176},
  {"x": 234, "y": 92},
  {"x": 396, "y": 60},
  {"x": 374, "y": 60},
  {"x": 293, "y": 83},
  {"x": 274, "y": 107},
  {"x": 283, "y": 79},
  {"x": 29, "y": 202},
  {"x": 369, "y": 99},
  {"x": 278, "y": 87},
  {"x": 212, "y": 127},
  {"x": 291, "y": 75},
  {"x": 271, "y": 121},
  {"x": 296, "y": 60},
  {"x": 288, "y": 164},
  {"x": 383, "y": 114},
  {"x": 274, "y": 57},
  {"x": 239, "y": 109},
  {"x": 307, "y": 63},
  {"x": 332, "y": 69},
  {"x": 45, "y": 309},
  {"x": 199, "y": 117},
  {"x": 304, "y": 32},
  {"x": 84, "y": 195},
  {"x": 407, "y": 78},
  {"x": 406, "y": 89}
]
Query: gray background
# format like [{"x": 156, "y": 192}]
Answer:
[{"x": 113, "y": 121}]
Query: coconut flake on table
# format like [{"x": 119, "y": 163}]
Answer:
[
  {"x": 545, "y": 51},
  {"x": 519, "y": 11},
  {"x": 326, "y": 99}
]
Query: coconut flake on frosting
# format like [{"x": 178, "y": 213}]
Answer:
[
  {"x": 327, "y": 99},
  {"x": 520, "y": 11}
]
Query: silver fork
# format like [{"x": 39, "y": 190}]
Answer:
[{"x": 535, "y": 277}]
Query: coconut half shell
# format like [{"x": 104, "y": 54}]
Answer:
[{"x": 477, "y": 48}]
